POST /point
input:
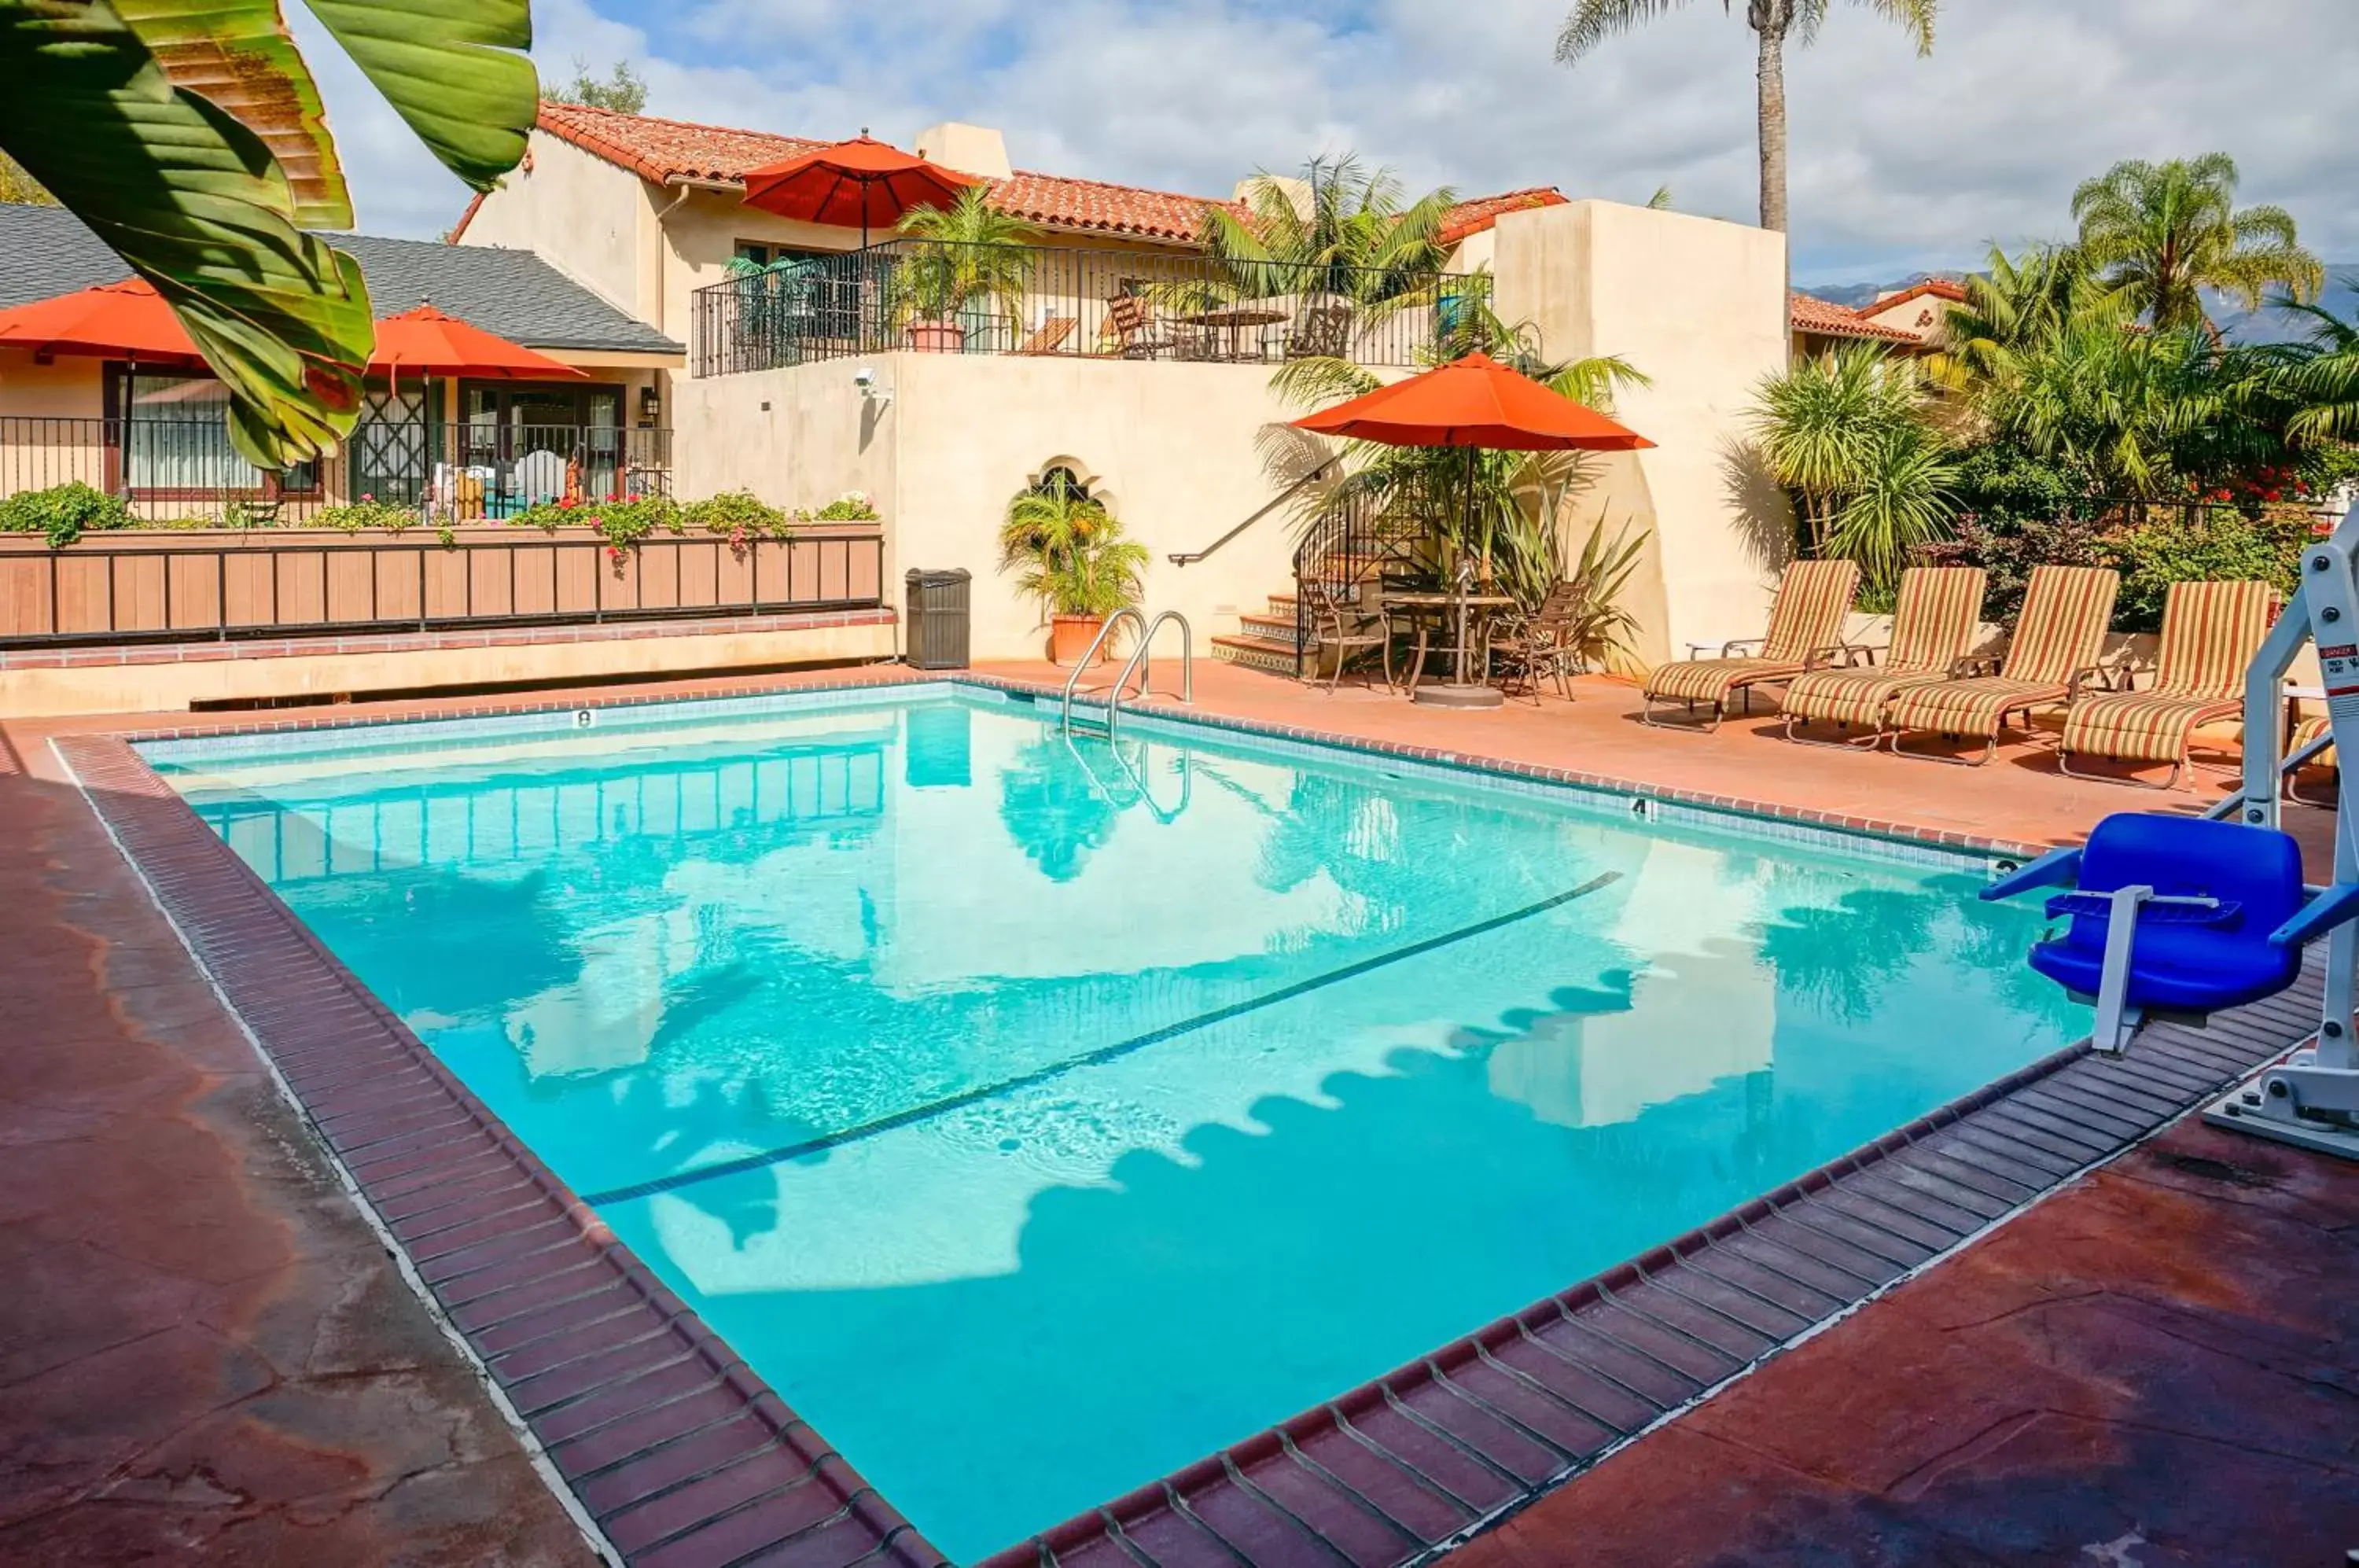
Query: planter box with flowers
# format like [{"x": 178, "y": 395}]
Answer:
[{"x": 80, "y": 566}]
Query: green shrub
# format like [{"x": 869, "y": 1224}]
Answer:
[
  {"x": 851, "y": 506},
  {"x": 369, "y": 513},
  {"x": 63, "y": 513},
  {"x": 740, "y": 514},
  {"x": 2210, "y": 544},
  {"x": 620, "y": 523}
]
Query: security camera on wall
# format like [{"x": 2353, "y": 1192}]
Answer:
[{"x": 866, "y": 379}]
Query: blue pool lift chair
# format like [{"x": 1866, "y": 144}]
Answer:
[
  {"x": 2170, "y": 915},
  {"x": 2184, "y": 916}
]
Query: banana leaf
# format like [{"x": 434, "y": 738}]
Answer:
[
  {"x": 453, "y": 68},
  {"x": 236, "y": 54},
  {"x": 190, "y": 134},
  {"x": 193, "y": 200}
]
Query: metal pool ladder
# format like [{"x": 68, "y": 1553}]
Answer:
[{"x": 1139, "y": 663}]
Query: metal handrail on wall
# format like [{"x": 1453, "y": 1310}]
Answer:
[{"x": 1191, "y": 557}]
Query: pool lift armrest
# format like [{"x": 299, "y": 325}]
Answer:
[{"x": 2117, "y": 1020}]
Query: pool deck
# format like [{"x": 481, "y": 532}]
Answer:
[{"x": 205, "y": 1351}]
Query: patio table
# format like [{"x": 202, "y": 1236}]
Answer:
[
  {"x": 1234, "y": 320},
  {"x": 1430, "y": 610}
]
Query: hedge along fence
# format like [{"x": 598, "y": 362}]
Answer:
[
  {"x": 63, "y": 513},
  {"x": 583, "y": 563}
]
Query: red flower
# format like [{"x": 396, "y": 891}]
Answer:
[
  {"x": 566, "y": 504},
  {"x": 2273, "y": 496},
  {"x": 614, "y": 550}
]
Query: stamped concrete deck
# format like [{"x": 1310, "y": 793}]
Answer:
[{"x": 204, "y": 1352}]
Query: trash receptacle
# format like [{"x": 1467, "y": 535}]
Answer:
[{"x": 937, "y": 619}]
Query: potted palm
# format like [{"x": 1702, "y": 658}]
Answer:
[
  {"x": 1072, "y": 556},
  {"x": 970, "y": 254}
]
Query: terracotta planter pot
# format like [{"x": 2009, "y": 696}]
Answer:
[
  {"x": 1069, "y": 638},
  {"x": 937, "y": 337}
]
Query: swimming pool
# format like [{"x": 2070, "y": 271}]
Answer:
[{"x": 1037, "y": 1115}]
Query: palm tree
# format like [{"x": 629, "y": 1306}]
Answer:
[
  {"x": 1357, "y": 234},
  {"x": 2157, "y": 233},
  {"x": 2019, "y": 307},
  {"x": 2323, "y": 375},
  {"x": 1773, "y": 21},
  {"x": 1069, "y": 550},
  {"x": 1849, "y": 434},
  {"x": 974, "y": 251}
]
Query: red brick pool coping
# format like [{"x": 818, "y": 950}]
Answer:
[{"x": 685, "y": 1456}]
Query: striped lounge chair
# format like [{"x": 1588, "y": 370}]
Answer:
[
  {"x": 2304, "y": 732},
  {"x": 1806, "y": 625},
  {"x": 1933, "y": 627},
  {"x": 2056, "y": 644},
  {"x": 2210, "y": 632}
]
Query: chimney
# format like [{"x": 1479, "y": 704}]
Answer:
[
  {"x": 970, "y": 150},
  {"x": 1295, "y": 192}
]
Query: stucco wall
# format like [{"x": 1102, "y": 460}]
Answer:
[
  {"x": 1700, "y": 307},
  {"x": 1173, "y": 448},
  {"x": 583, "y": 215},
  {"x": 164, "y": 688},
  {"x": 38, "y": 446}
]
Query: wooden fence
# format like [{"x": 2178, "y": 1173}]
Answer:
[{"x": 209, "y": 585}]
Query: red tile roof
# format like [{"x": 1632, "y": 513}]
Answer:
[
  {"x": 1825, "y": 319},
  {"x": 1471, "y": 217},
  {"x": 669, "y": 150},
  {"x": 1939, "y": 288}
]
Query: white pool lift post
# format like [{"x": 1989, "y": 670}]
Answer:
[{"x": 2310, "y": 1098}]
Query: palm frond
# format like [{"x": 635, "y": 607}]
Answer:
[{"x": 1595, "y": 21}]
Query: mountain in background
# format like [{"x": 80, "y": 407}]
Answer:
[{"x": 2237, "y": 323}]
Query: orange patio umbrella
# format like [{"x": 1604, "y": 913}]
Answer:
[
  {"x": 1479, "y": 404},
  {"x": 861, "y": 181},
  {"x": 127, "y": 319},
  {"x": 428, "y": 342}
]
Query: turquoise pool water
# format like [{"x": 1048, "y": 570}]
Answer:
[{"x": 1038, "y": 1117}]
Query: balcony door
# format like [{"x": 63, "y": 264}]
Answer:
[{"x": 541, "y": 442}]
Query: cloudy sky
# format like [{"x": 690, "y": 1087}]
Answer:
[{"x": 1897, "y": 163}]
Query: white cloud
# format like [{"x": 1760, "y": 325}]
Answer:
[{"x": 1897, "y": 162}]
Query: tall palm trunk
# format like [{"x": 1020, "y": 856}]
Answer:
[{"x": 1770, "y": 21}]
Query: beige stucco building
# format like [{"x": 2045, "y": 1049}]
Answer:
[
  {"x": 648, "y": 211},
  {"x": 622, "y": 245}
]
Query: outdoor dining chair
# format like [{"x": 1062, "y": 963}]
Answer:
[
  {"x": 1321, "y": 331},
  {"x": 1342, "y": 626},
  {"x": 1806, "y": 625},
  {"x": 1529, "y": 649},
  {"x": 1134, "y": 323},
  {"x": 1933, "y": 626},
  {"x": 2209, "y": 633},
  {"x": 2053, "y": 653}
]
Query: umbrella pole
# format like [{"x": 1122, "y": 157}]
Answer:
[
  {"x": 1466, "y": 534},
  {"x": 1463, "y": 692}
]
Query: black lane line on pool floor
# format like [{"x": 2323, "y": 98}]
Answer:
[{"x": 1097, "y": 1057}]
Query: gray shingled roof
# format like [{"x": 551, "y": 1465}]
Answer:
[{"x": 47, "y": 251}]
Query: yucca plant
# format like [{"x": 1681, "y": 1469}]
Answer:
[
  {"x": 1850, "y": 437},
  {"x": 189, "y": 136}
]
